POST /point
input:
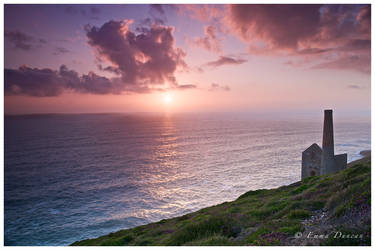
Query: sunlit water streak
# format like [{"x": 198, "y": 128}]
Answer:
[{"x": 71, "y": 177}]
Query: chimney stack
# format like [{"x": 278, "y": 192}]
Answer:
[
  {"x": 328, "y": 155},
  {"x": 321, "y": 161}
]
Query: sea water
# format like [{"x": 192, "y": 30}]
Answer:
[{"x": 72, "y": 177}]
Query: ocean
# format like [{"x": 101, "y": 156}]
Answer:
[{"x": 70, "y": 177}]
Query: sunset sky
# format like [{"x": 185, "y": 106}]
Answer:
[{"x": 186, "y": 58}]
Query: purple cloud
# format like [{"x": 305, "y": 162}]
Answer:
[
  {"x": 186, "y": 86},
  {"x": 209, "y": 41},
  {"x": 281, "y": 26},
  {"x": 48, "y": 82},
  {"x": 353, "y": 86},
  {"x": 225, "y": 60},
  {"x": 218, "y": 87},
  {"x": 142, "y": 62},
  {"x": 158, "y": 8},
  {"x": 341, "y": 31},
  {"x": 146, "y": 58},
  {"x": 91, "y": 13},
  {"x": 22, "y": 40}
]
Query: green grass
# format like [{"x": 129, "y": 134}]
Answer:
[
  {"x": 261, "y": 217},
  {"x": 299, "y": 214}
]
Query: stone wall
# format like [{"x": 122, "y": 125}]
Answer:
[
  {"x": 311, "y": 161},
  {"x": 341, "y": 161}
]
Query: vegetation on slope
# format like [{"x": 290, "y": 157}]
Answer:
[{"x": 323, "y": 210}]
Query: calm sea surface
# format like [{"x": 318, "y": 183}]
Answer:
[{"x": 72, "y": 177}]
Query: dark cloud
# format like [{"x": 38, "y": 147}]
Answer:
[
  {"x": 142, "y": 63},
  {"x": 218, "y": 87},
  {"x": 146, "y": 58},
  {"x": 95, "y": 11},
  {"x": 151, "y": 21},
  {"x": 202, "y": 12},
  {"x": 209, "y": 41},
  {"x": 48, "y": 82},
  {"x": 224, "y": 60},
  {"x": 33, "y": 82},
  {"x": 310, "y": 51},
  {"x": 356, "y": 44},
  {"x": 23, "y": 41},
  {"x": 186, "y": 86},
  {"x": 339, "y": 24},
  {"x": 110, "y": 69},
  {"x": 281, "y": 26},
  {"x": 91, "y": 12},
  {"x": 158, "y": 12},
  {"x": 338, "y": 31},
  {"x": 353, "y": 86},
  {"x": 158, "y": 8},
  {"x": 162, "y": 9},
  {"x": 298, "y": 26},
  {"x": 364, "y": 19}
]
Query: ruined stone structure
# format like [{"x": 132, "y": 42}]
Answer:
[
  {"x": 317, "y": 161},
  {"x": 311, "y": 158}
]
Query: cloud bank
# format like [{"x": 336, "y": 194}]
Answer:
[
  {"x": 146, "y": 59},
  {"x": 140, "y": 62},
  {"x": 48, "y": 82},
  {"x": 330, "y": 36},
  {"x": 342, "y": 32}
]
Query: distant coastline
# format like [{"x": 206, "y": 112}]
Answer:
[{"x": 365, "y": 153}]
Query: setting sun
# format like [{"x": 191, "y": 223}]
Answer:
[
  {"x": 129, "y": 114},
  {"x": 167, "y": 98}
]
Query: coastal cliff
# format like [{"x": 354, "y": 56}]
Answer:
[{"x": 333, "y": 209}]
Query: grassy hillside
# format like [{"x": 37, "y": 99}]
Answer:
[{"x": 318, "y": 207}]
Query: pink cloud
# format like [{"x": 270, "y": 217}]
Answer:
[
  {"x": 339, "y": 31},
  {"x": 364, "y": 20},
  {"x": 209, "y": 41},
  {"x": 147, "y": 58},
  {"x": 281, "y": 26},
  {"x": 142, "y": 62},
  {"x": 202, "y": 12}
]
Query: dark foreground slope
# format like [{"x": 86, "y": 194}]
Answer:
[{"x": 326, "y": 210}]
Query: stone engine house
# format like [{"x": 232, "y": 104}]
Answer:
[{"x": 319, "y": 161}]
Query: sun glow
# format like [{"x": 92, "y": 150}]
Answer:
[{"x": 167, "y": 98}]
